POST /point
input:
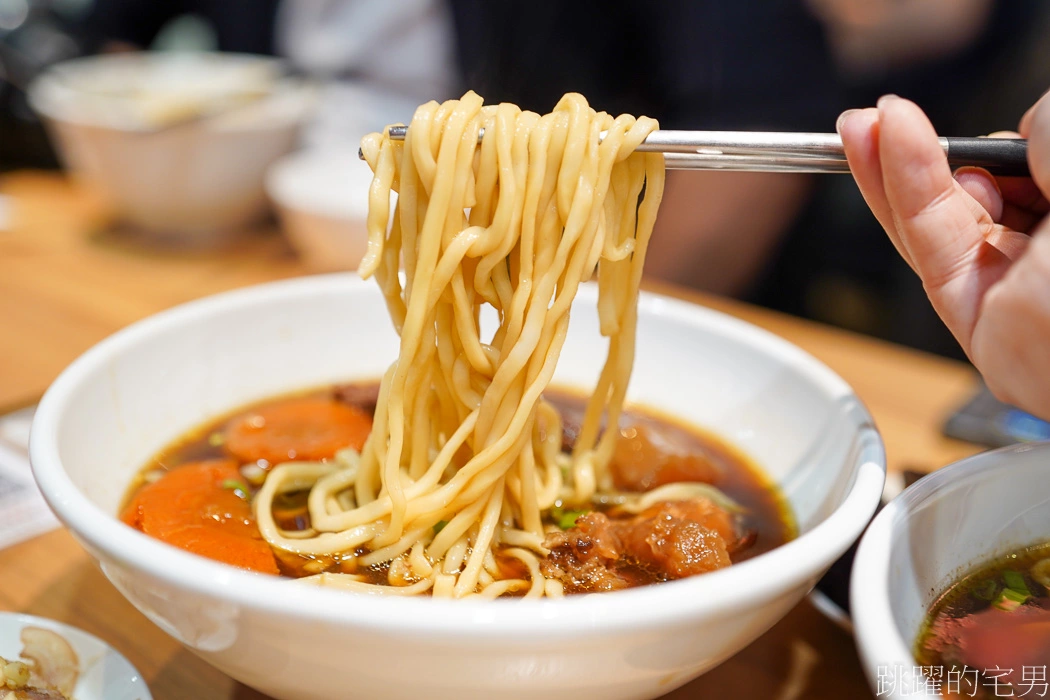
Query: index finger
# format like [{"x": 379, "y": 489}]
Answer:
[
  {"x": 1025, "y": 125},
  {"x": 940, "y": 226},
  {"x": 859, "y": 130},
  {"x": 1036, "y": 128}
]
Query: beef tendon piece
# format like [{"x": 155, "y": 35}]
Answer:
[
  {"x": 571, "y": 424},
  {"x": 682, "y": 538},
  {"x": 669, "y": 540},
  {"x": 646, "y": 457},
  {"x": 579, "y": 561}
]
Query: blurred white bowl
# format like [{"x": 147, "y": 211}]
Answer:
[
  {"x": 179, "y": 141},
  {"x": 112, "y": 409},
  {"x": 938, "y": 530},
  {"x": 321, "y": 197}
]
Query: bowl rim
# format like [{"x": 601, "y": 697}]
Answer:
[
  {"x": 282, "y": 174},
  {"x": 879, "y": 638},
  {"x": 53, "y": 78},
  {"x": 736, "y": 589}
]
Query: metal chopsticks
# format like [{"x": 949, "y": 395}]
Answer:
[{"x": 772, "y": 151}]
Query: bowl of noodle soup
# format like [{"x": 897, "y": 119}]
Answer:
[{"x": 480, "y": 420}]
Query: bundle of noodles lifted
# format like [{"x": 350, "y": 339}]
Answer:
[{"x": 471, "y": 480}]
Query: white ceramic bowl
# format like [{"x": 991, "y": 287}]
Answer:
[
  {"x": 130, "y": 395},
  {"x": 939, "y": 529},
  {"x": 126, "y": 123},
  {"x": 321, "y": 197}
]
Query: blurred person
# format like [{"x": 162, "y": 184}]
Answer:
[
  {"x": 374, "y": 62},
  {"x": 869, "y": 37},
  {"x": 34, "y": 34},
  {"x": 780, "y": 65},
  {"x": 972, "y": 65},
  {"x": 243, "y": 26},
  {"x": 753, "y": 64},
  {"x": 749, "y": 64},
  {"x": 979, "y": 244}
]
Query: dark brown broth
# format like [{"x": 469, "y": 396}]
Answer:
[
  {"x": 768, "y": 515},
  {"x": 962, "y": 605}
]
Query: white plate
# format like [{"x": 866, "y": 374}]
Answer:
[{"x": 104, "y": 672}]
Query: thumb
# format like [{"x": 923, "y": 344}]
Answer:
[{"x": 1036, "y": 127}]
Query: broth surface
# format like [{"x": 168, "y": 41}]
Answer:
[
  {"x": 988, "y": 635},
  {"x": 766, "y": 517}
]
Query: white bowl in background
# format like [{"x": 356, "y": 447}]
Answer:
[
  {"x": 180, "y": 142},
  {"x": 113, "y": 408},
  {"x": 321, "y": 197},
  {"x": 941, "y": 528}
]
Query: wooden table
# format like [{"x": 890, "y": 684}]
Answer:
[{"x": 67, "y": 281}]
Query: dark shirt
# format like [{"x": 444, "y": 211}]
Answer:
[
  {"x": 244, "y": 26},
  {"x": 759, "y": 64},
  {"x": 697, "y": 64}
]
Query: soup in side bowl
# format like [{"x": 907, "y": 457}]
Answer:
[
  {"x": 945, "y": 586},
  {"x": 989, "y": 633}
]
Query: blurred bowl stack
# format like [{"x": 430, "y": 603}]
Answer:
[
  {"x": 180, "y": 142},
  {"x": 321, "y": 197}
]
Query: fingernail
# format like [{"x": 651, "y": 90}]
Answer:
[
  {"x": 843, "y": 117},
  {"x": 885, "y": 99},
  {"x": 979, "y": 172}
]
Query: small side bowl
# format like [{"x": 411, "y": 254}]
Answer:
[
  {"x": 167, "y": 169},
  {"x": 938, "y": 530},
  {"x": 321, "y": 198},
  {"x": 113, "y": 408}
]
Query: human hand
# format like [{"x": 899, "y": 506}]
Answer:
[{"x": 978, "y": 243}]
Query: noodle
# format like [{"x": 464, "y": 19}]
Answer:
[{"x": 464, "y": 455}]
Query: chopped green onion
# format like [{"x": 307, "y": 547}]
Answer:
[
  {"x": 216, "y": 439},
  {"x": 1010, "y": 600},
  {"x": 569, "y": 517},
  {"x": 239, "y": 488},
  {"x": 1015, "y": 581},
  {"x": 565, "y": 519},
  {"x": 439, "y": 526}
]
